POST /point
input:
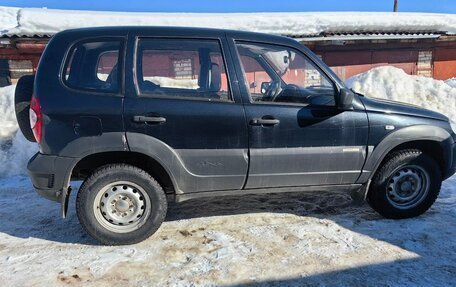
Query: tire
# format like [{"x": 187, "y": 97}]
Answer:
[
  {"x": 406, "y": 185},
  {"x": 108, "y": 223},
  {"x": 22, "y": 97}
]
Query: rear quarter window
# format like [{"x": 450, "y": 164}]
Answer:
[{"x": 94, "y": 66}]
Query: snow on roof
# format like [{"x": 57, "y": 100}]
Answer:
[{"x": 40, "y": 21}]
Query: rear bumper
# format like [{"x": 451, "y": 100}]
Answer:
[{"x": 50, "y": 174}]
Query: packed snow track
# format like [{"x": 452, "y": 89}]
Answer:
[{"x": 283, "y": 239}]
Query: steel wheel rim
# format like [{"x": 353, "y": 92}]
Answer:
[
  {"x": 122, "y": 206},
  {"x": 407, "y": 186}
]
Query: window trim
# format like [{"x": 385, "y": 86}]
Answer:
[
  {"x": 316, "y": 65},
  {"x": 158, "y": 96},
  {"x": 121, "y": 60}
]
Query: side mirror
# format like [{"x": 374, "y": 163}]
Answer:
[
  {"x": 265, "y": 87},
  {"x": 344, "y": 100}
]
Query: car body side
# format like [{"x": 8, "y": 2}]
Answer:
[{"x": 66, "y": 154}]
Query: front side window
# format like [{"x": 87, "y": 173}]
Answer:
[
  {"x": 280, "y": 74},
  {"x": 93, "y": 66},
  {"x": 181, "y": 68}
]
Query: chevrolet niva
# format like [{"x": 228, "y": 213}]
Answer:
[{"x": 144, "y": 115}]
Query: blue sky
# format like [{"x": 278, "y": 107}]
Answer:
[{"x": 437, "y": 6}]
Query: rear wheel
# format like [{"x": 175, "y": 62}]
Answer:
[
  {"x": 121, "y": 204},
  {"x": 22, "y": 97},
  {"x": 406, "y": 185}
]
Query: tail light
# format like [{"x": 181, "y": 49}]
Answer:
[{"x": 36, "y": 118}]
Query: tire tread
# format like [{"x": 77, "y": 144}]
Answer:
[{"x": 391, "y": 162}]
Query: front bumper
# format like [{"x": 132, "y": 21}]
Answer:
[
  {"x": 50, "y": 175},
  {"x": 452, "y": 165}
]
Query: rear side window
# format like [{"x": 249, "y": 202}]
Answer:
[
  {"x": 181, "y": 68},
  {"x": 94, "y": 66}
]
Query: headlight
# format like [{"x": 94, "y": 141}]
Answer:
[{"x": 453, "y": 126}]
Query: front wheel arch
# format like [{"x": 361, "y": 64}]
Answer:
[
  {"x": 432, "y": 148},
  {"x": 429, "y": 147},
  {"x": 432, "y": 140}
]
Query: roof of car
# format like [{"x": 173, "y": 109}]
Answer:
[{"x": 177, "y": 31}]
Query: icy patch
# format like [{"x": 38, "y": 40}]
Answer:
[{"x": 394, "y": 84}]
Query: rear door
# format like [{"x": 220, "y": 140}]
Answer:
[
  {"x": 297, "y": 136},
  {"x": 181, "y": 110}
]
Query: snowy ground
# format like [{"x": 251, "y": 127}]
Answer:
[
  {"x": 302, "y": 239},
  {"x": 286, "y": 239}
]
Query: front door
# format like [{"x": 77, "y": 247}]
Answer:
[
  {"x": 297, "y": 136},
  {"x": 182, "y": 112}
]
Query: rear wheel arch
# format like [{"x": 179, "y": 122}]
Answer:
[{"x": 87, "y": 165}]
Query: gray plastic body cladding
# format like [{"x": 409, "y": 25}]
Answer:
[
  {"x": 403, "y": 135},
  {"x": 346, "y": 187},
  {"x": 195, "y": 170},
  {"x": 305, "y": 166}
]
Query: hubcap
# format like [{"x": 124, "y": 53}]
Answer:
[
  {"x": 122, "y": 206},
  {"x": 407, "y": 187}
]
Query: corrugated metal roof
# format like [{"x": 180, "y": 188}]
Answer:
[
  {"x": 370, "y": 36},
  {"x": 318, "y": 37},
  {"x": 26, "y": 35}
]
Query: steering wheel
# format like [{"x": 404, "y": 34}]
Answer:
[
  {"x": 273, "y": 90},
  {"x": 290, "y": 90}
]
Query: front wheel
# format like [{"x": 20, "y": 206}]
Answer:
[
  {"x": 120, "y": 204},
  {"x": 406, "y": 185}
]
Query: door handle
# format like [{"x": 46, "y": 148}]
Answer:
[
  {"x": 264, "y": 121},
  {"x": 149, "y": 120}
]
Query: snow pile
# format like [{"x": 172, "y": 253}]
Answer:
[
  {"x": 7, "y": 117},
  {"x": 451, "y": 82},
  {"x": 394, "y": 84},
  {"x": 15, "y": 150},
  {"x": 47, "y": 21}
]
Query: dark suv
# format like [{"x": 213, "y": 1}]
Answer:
[{"x": 144, "y": 115}]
